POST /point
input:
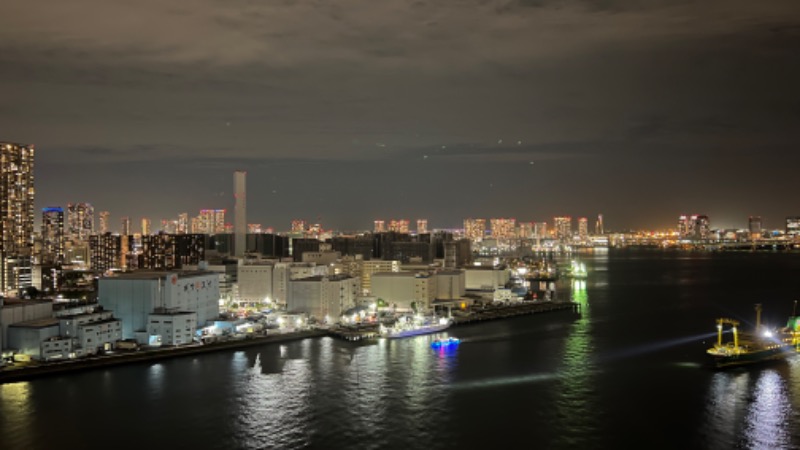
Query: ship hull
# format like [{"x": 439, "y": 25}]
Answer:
[
  {"x": 753, "y": 357},
  {"x": 428, "y": 329}
]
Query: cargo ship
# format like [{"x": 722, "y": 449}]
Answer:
[{"x": 759, "y": 346}]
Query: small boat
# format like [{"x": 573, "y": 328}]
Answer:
[
  {"x": 749, "y": 348},
  {"x": 443, "y": 343},
  {"x": 578, "y": 270}
]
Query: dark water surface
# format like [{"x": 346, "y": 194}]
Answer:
[{"x": 628, "y": 373}]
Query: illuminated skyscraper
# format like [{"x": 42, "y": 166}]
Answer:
[
  {"x": 126, "y": 226},
  {"x": 183, "y": 223},
  {"x": 754, "y": 225},
  {"x": 53, "y": 235},
  {"x": 315, "y": 230},
  {"x": 422, "y": 226},
  {"x": 211, "y": 221},
  {"x": 145, "y": 226},
  {"x": 475, "y": 229},
  {"x": 701, "y": 227},
  {"x": 598, "y": 226},
  {"x": 380, "y": 226},
  {"x": 793, "y": 226},
  {"x": 80, "y": 217},
  {"x": 104, "y": 222},
  {"x": 684, "y": 226},
  {"x": 583, "y": 228},
  {"x": 563, "y": 227},
  {"x": 399, "y": 226},
  {"x": 526, "y": 230},
  {"x": 16, "y": 215},
  {"x": 540, "y": 230},
  {"x": 503, "y": 228},
  {"x": 240, "y": 212},
  {"x": 298, "y": 226}
]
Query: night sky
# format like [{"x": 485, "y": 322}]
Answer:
[{"x": 351, "y": 110}]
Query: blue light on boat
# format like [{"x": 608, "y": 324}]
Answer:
[{"x": 449, "y": 342}]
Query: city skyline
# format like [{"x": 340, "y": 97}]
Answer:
[{"x": 345, "y": 113}]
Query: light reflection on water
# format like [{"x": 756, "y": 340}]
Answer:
[
  {"x": 750, "y": 409},
  {"x": 15, "y": 409},
  {"x": 339, "y": 393},
  {"x": 623, "y": 368}
]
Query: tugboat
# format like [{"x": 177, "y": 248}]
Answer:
[
  {"x": 759, "y": 346},
  {"x": 445, "y": 343}
]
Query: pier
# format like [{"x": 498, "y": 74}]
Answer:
[
  {"x": 355, "y": 333},
  {"x": 505, "y": 311}
]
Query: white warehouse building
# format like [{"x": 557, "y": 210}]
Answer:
[
  {"x": 325, "y": 298},
  {"x": 135, "y": 296},
  {"x": 405, "y": 290}
]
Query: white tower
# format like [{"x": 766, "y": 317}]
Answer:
[{"x": 240, "y": 213}]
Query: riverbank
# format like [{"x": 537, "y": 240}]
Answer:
[
  {"x": 11, "y": 374},
  {"x": 14, "y": 374}
]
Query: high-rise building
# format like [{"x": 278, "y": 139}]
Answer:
[
  {"x": 380, "y": 226},
  {"x": 503, "y": 228},
  {"x": 684, "y": 226},
  {"x": 754, "y": 226},
  {"x": 211, "y": 221},
  {"x": 53, "y": 235},
  {"x": 126, "y": 226},
  {"x": 702, "y": 227},
  {"x": 598, "y": 225},
  {"x": 80, "y": 217},
  {"x": 298, "y": 226},
  {"x": 315, "y": 230},
  {"x": 422, "y": 226},
  {"x": 475, "y": 229},
  {"x": 104, "y": 215},
  {"x": 563, "y": 227},
  {"x": 525, "y": 230},
  {"x": 240, "y": 212},
  {"x": 183, "y": 223},
  {"x": 171, "y": 251},
  {"x": 108, "y": 251},
  {"x": 145, "y": 226},
  {"x": 583, "y": 228},
  {"x": 399, "y": 226},
  {"x": 793, "y": 226},
  {"x": 540, "y": 230},
  {"x": 16, "y": 215}
]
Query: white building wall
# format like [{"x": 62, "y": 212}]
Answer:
[
  {"x": 174, "y": 329},
  {"x": 486, "y": 279},
  {"x": 93, "y": 336},
  {"x": 368, "y": 268},
  {"x": 255, "y": 282},
  {"x": 402, "y": 289},
  {"x": 131, "y": 300},
  {"x": 196, "y": 293},
  {"x": 324, "y": 298},
  {"x": 28, "y": 340},
  {"x": 56, "y": 348},
  {"x": 321, "y": 258},
  {"x": 450, "y": 285},
  {"x": 16, "y": 313}
]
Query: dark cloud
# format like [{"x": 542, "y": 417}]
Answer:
[{"x": 361, "y": 86}]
